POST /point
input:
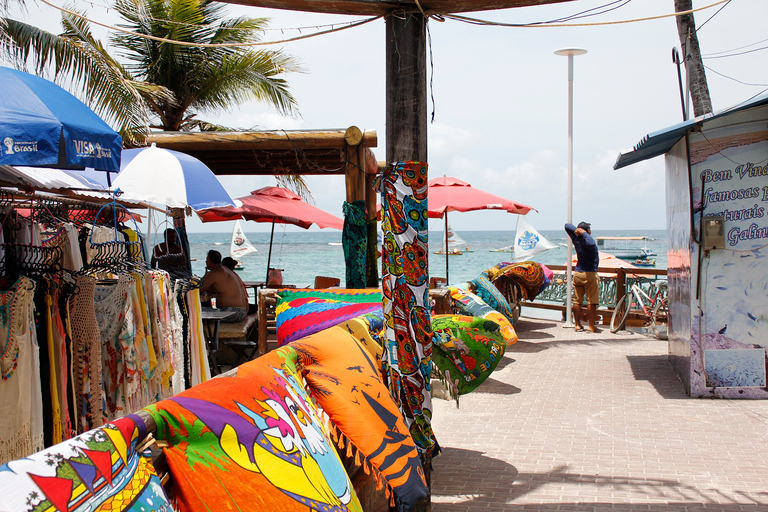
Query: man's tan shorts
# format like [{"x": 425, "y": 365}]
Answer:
[{"x": 586, "y": 283}]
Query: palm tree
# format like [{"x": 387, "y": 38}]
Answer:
[
  {"x": 162, "y": 84},
  {"x": 686, "y": 29}
]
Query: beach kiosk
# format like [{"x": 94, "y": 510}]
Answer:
[{"x": 717, "y": 230}]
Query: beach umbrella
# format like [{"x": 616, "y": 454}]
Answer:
[
  {"x": 277, "y": 205},
  {"x": 447, "y": 194},
  {"x": 169, "y": 178},
  {"x": 609, "y": 261},
  {"x": 42, "y": 125}
]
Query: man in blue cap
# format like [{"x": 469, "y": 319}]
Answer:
[{"x": 585, "y": 281}]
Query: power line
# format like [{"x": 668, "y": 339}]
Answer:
[
  {"x": 739, "y": 53},
  {"x": 206, "y": 45},
  {"x": 735, "y": 49},
  {"x": 476, "y": 21},
  {"x": 734, "y": 79}
]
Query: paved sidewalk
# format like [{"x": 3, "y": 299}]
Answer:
[{"x": 596, "y": 422}]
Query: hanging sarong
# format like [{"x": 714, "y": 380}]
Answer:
[
  {"x": 405, "y": 277},
  {"x": 354, "y": 239}
]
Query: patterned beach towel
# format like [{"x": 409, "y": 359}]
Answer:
[
  {"x": 472, "y": 305},
  {"x": 528, "y": 274},
  {"x": 257, "y": 441},
  {"x": 467, "y": 350},
  {"x": 254, "y": 441},
  {"x": 100, "y": 470},
  {"x": 306, "y": 311}
]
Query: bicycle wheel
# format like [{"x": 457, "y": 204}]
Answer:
[
  {"x": 660, "y": 319},
  {"x": 620, "y": 313}
]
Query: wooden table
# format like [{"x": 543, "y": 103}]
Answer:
[
  {"x": 255, "y": 285},
  {"x": 211, "y": 319}
]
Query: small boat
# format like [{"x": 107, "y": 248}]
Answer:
[
  {"x": 239, "y": 246},
  {"x": 645, "y": 262},
  {"x": 451, "y": 252},
  {"x": 456, "y": 245},
  {"x": 625, "y": 247}
]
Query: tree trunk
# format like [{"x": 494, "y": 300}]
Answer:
[{"x": 689, "y": 41}]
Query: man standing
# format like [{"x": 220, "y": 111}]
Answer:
[
  {"x": 224, "y": 285},
  {"x": 585, "y": 282}
]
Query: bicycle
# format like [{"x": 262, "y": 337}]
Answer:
[{"x": 656, "y": 312}]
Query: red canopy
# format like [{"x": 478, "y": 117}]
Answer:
[
  {"x": 609, "y": 261},
  {"x": 276, "y": 204},
  {"x": 448, "y": 194}
]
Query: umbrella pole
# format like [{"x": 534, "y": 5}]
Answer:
[
  {"x": 269, "y": 256},
  {"x": 446, "y": 249}
]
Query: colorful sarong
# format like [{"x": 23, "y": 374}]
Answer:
[
  {"x": 98, "y": 470},
  {"x": 303, "y": 312},
  {"x": 406, "y": 302},
  {"x": 528, "y": 274},
  {"x": 467, "y": 350},
  {"x": 472, "y": 305},
  {"x": 256, "y": 440},
  {"x": 491, "y": 295}
]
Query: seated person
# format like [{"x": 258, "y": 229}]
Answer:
[
  {"x": 168, "y": 254},
  {"x": 225, "y": 286},
  {"x": 229, "y": 262}
]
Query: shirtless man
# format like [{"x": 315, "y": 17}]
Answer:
[{"x": 225, "y": 286}]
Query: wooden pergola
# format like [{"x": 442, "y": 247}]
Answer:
[{"x": 274, "y": 152}]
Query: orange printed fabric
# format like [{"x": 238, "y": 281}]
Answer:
[
  {"x": 344, "y": 379},
  {"x": 255, "y": 442}
]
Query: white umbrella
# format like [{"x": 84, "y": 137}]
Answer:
[{"x": 169, "y": 178}]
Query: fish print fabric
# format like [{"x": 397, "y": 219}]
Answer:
[
  {"x": 258, "y": 441},
  {"x": 345, "y": 381},
  {"x": 254, "y": 441},
  {"x": 405, "y": 278},
  {"x": 99, "y": 470}
]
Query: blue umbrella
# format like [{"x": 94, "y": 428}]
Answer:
[
  {"x": 42, "y": 125},
  {"x": 169, "y": 178}
]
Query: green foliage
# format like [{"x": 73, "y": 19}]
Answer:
[{"x": 159, "y": 84}]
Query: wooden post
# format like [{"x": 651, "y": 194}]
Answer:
[
  {"x": 406, "y": 88},
  {"x": 354, "y": 171},
  {"x": 406, "y": 116}
]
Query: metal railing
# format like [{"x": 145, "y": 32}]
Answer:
[{"x": 614, "y": 283}]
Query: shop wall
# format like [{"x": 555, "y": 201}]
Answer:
[
  {"x": 729, "y": 299},
  {"x": 679, "y": 249}
]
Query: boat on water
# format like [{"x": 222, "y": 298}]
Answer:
[
  {"x": 239, "y": 246},
  {"x": 456, "y": 245},
  {"x": 625, "y": 247},
  {"x": 645, "y": 262}
]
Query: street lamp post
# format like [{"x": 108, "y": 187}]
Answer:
[{"x": 570, "y": 53}]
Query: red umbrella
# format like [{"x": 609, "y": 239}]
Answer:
[
  {"x": 275, "y": 205},
  {"x": 448, "y": 194}
]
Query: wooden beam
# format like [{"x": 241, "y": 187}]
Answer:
[
  {"x": 257, "y": 140},
  {"x": 382, "y": 7}
]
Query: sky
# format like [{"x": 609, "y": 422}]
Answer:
[{"x": 500, "y": 98}]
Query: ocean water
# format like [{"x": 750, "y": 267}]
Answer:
[{"x": 304, "y": 255}]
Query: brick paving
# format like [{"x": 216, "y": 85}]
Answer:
[{"x": 596, "y": 422}]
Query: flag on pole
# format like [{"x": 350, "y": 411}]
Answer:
[{"x": 528, "y": 241}]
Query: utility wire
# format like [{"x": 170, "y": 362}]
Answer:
[
  {"x": 734, "y": 79},
  {"x": 476, "y": 21},
  {"x": 205, "y": 45}
]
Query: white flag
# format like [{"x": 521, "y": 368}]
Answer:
[{"x": 528, "y": 241}]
